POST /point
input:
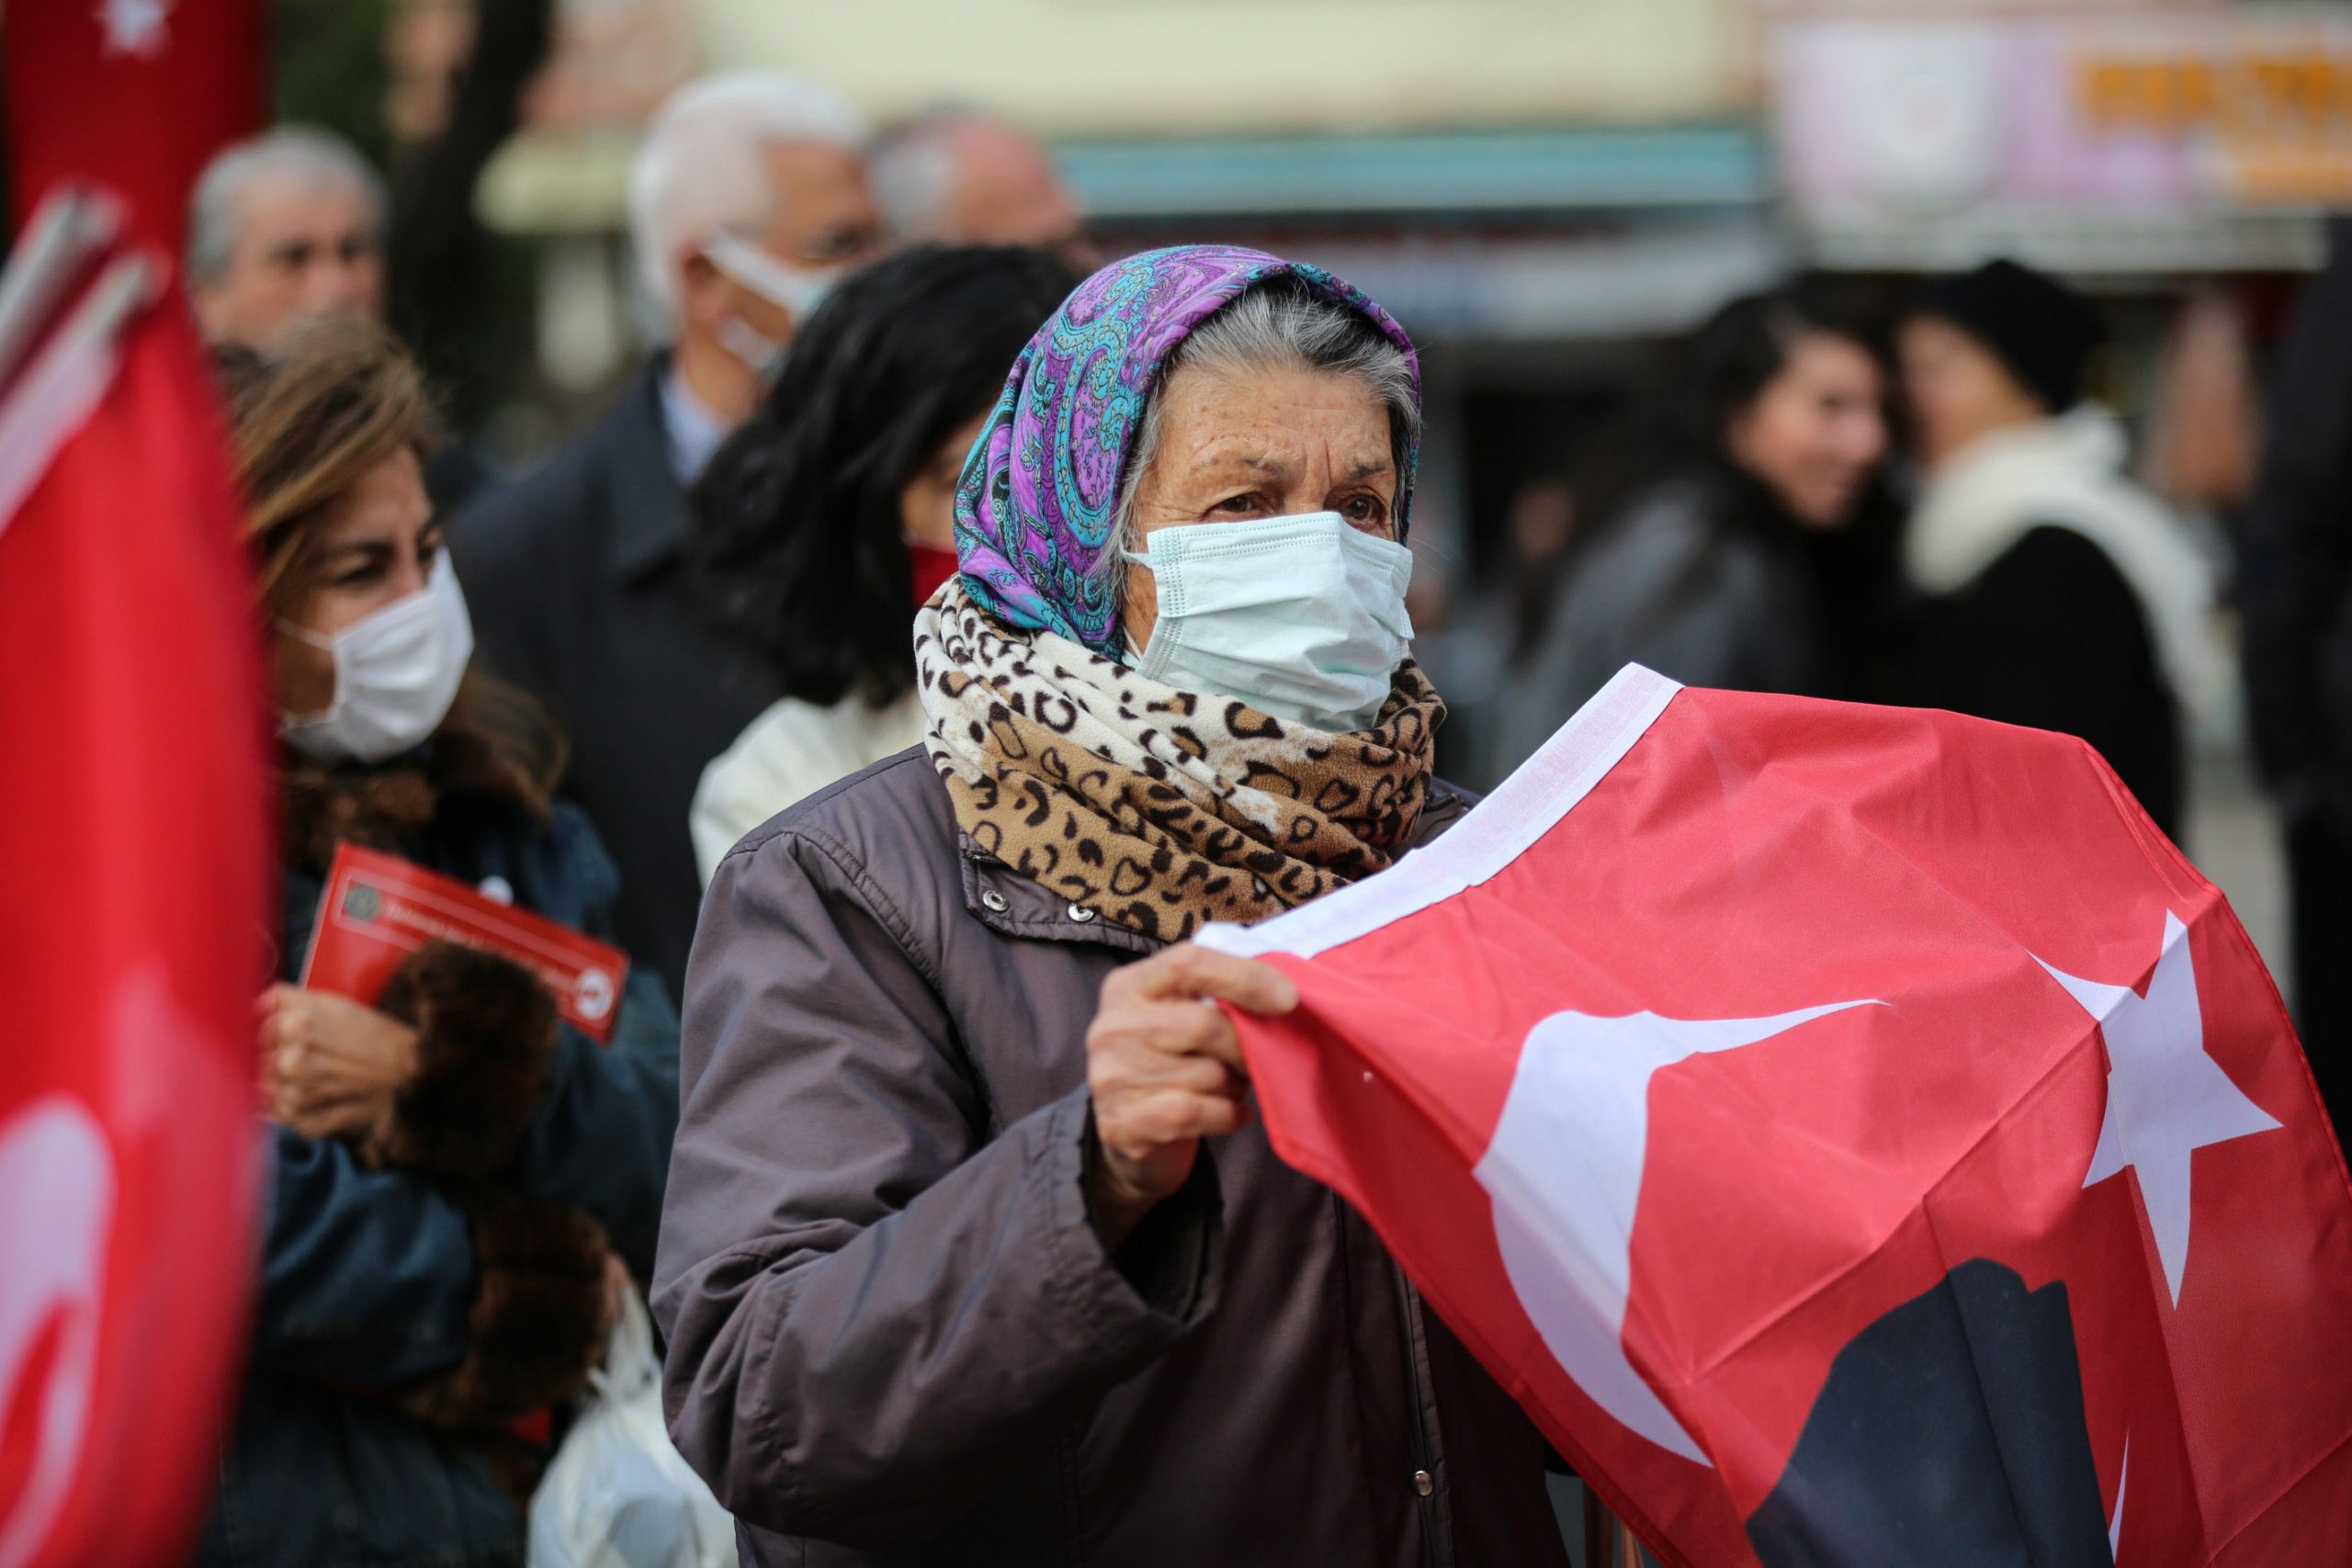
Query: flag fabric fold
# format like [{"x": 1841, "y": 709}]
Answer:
[
  {"x": 135, "y": 915},
  {"x": 136, "y": 927},
  {"x": 1849, "y": 1132}
]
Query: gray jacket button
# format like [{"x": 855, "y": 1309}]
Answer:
[
  {"x": 994, "y": 901},
  {"x": 1080, "y": 913}
]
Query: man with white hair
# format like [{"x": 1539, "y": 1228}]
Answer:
[
  {"x": 284, "y": 228},
  {"x": 963, "y": 176},
  {"x": 746, "y": 198}
]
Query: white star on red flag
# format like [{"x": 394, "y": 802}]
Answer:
[
  {"x": 2166, "y": 1098},
  {"x": 135, "y": 27}
]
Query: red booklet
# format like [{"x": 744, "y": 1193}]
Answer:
[{"x": 379, "y": 909}]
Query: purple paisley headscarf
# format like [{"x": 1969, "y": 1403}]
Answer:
[{"x": 1041, "y": 486}]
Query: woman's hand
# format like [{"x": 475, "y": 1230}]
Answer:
[
  {"x": 331, "y": 1067},
  {"x": 1164, "y": 1067}
]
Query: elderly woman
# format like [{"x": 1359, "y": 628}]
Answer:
[{"x": 972, "y": 1252}]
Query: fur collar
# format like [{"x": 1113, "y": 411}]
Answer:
[{"x": 384, "y": 806}]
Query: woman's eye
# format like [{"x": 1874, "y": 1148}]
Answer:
[
  {"x": 1237, "y": 503},
  {"x": 1364, "y": 509}
]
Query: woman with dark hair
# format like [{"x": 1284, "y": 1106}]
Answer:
[
  {"x": 828, "y": 516},
  {"x": 1707, "y": 552},
  {"x": 459, "y": 1183}
]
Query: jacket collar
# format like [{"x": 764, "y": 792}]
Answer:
[
  {"x": 648, "y": 505},
  {"x": 1012, "y": 904}
]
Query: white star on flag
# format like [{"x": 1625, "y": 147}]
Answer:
[
  {"x": 134, "y": 27},
  {"x": 2166, "y": 1098}
]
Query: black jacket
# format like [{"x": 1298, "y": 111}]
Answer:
[
  {"x": 2297, "y": 575},
  {"x": 579, "y": 596},
  {"x": 2050, "y": 636}
]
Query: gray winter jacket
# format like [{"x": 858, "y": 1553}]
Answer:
[
  {"x": 1675, "y": 584},
  {"x": 893, "y": 1334}
]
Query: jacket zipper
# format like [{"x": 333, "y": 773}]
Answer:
[{"x": 1437, "y": 1540}]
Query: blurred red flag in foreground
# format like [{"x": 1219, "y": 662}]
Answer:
[
  {"x": 1855, "y": 1135},
  {"x": 132, "y": 96},
  {"x": 135, "y": 929}
]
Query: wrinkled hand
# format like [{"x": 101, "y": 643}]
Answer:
[
  {"x": 331, "y": 1067},
  {"x": 1165, "y": 1071}
]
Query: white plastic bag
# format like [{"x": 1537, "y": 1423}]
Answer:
[{"x": 617, "y": 1495}]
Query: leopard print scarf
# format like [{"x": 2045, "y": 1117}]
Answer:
[{"x": 1160, "y": 810}]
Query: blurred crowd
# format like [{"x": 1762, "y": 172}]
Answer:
[{"x": 584, "y": 684}]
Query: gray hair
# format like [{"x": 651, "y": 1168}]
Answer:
[
  {"x": 1276, "y": 325},
  {"x": 298, "y": 153},
  {"x": 697, "y": 170},
  {"x": 912, "y": 165}
]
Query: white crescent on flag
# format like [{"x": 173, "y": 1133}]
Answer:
[
  {"x": 52, "y": 1266},
  {"x": 1565, "y": 1170}
]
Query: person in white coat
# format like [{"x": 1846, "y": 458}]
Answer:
[
  {"x": 828, "y": 516},
  {"x": 2054, "y": 592}
]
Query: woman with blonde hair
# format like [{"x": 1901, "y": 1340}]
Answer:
[{"x": 460, "y": 1183}]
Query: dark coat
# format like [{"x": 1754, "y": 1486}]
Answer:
[
  {"x": 404, "y": 1313},
  {"x": 579, "y": 596},
  {"x": 893, "y": 1333},
  {"x": 2297, "y": 581},
  {"x": 2295, "y": 591},
  {"x": 2050, "y": 635}
]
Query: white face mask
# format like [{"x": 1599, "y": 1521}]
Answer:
[
  {"x": 1302, "y": 617},
  {"x": 795, "y": 288},
  {"x": 396, "y": 673}
]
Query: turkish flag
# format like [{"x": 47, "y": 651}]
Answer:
[
  {"x": 1855, "y": 1135},
  {"x": 135, "y": 920},
  {"x": 133, "y": 96}
]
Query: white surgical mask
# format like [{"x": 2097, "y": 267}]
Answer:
[
  {"x": 789, "y": 287},
  {"x": 1302, "y": 617},
  {"x": 396, "y": 673}
]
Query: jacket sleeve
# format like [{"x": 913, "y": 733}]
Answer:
[
  {"x": 376, "y": 1279},
  {"x": 600, "y": 1140},
  {"x": 1683, "y": 600},
  {"x": 876, "y": 1312},
  {"x": 1656, "y": 588},
  {"x": 367, "y": 1275}
]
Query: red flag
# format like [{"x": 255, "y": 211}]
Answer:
[
  {"x": 136, "y": 924},
  {"x": 1855, "y": 1135},
  {"x": 132, "y": 96}
]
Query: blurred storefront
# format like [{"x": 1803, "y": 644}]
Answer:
[
  {"x": 1544, "y": 191},
  {"x": 1541, "y": 190},
  {"x": 2126, "y": 140},
  {"x": 2178, "y": 160}
]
